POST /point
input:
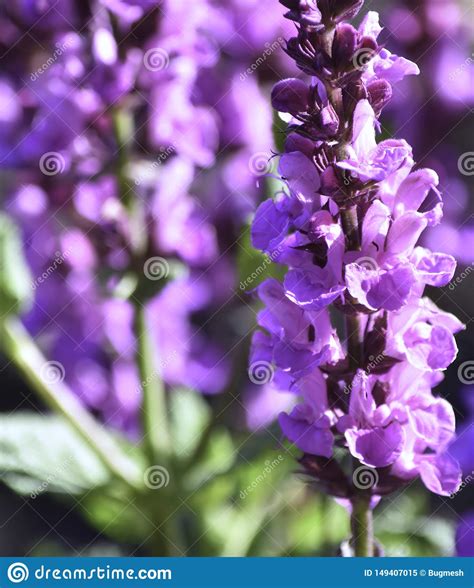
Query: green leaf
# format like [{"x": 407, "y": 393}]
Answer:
[
  {"x": 117, "y": 515},
  {"x": 217, "y": 458},
  {"x": 16, "y": 284},
  {"x": 43, "y": 454}
]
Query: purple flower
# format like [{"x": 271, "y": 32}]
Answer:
[
  {"x": 368, "y": 160},
  {"x": 423, "y": 334},
  {"x": 308, "y": 425},
  {"x": 347, "y": 226}
]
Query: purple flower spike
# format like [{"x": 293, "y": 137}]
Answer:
[{"x": 347, "y": 226}]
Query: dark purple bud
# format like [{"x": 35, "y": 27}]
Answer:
[
  {"x": 351, "y": 95},
  {"x": 329, "y": 121},
  {"x": 379, "y": 93},
  {"x": 290, "y": 95},
  {"x": 306, "y": 12},
  {"x": 364, "y": 54},
  {"x": 295, "y": 142},
  {"x": 347, "y": 9},
  {"x": 369, "y": 43},
  {"x": 344, "y": 44},
  {"x": 329, "y": 181},
  {"x": 339, "y": 10}
]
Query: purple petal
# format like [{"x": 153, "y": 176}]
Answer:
[
  {"x": 378, "y": 447},
  {"x": 311, "y": 290},
  {"x": 269, "y": 226},
  {"x": 307, "y": 436},
  {"x": 301, "y": 175},
  {"x": 434, "y": 424},
  {"x": 441, "y": 474},
  {"x": 436, "y": 269}
]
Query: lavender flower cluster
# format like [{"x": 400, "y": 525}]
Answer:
[{"x": 346, "y": 223}]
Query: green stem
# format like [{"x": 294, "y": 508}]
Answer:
[
  {"x": 123, "y": 128},
  {"x": 350, "y": 226},
  {"x": 361, "y": 518},
  {"x": 23, "y": 352},
  {"x": 362, "y": 526},
  {"x": 354, "y": 341},
  {"x": 123, "y": 131},
  {"x": 154, "y": 407}
]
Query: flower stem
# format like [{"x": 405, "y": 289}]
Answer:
[
  {"x": 362, "y": 526},
  {"x": 122, "y": 122},
  {"x": 23, "y": 352},
  {"x": 154, "y": 410},
  {"x": 361, "y": 518}
]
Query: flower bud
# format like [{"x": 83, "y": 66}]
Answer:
[
  {"x": 344, "y": 44},
  {"x": 306, "y": 12},
  {"x": 295, "y": 142},
  {"x": 290, "y": 95},
  {"x": 380, "y": 92},
  {"x": 329, "y": 120}
]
